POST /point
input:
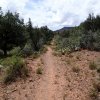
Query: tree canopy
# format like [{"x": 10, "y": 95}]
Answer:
[
  {"x": 11, "y": 31},
  {"x": 14, "y": 32}
]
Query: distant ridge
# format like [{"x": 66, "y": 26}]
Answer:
[{"x": 63, "y": 29}]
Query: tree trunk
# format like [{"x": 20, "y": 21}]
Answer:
[{"x": 5, "y": 52}]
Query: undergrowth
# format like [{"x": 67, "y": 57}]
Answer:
[{"x": 14, "y": 67}]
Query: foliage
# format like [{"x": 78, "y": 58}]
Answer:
[
  {"x": 91, "y": 23},
  {"x": 14, "y": 33},
  {"x": 11, "y": 31},
  {"x": 27, "y": 50},
  {"x": 85, "y": 36},
  {"x": 91, "y": 41},
  {"x": 95, "y": 92},
  {"x": 18, "y": 40},
  {"x": 70, "y": 43},
  {"x": 15, "y": 68},
  {"x": 91, "y": 35},
  {"x": 15, "y": 51},
  {"x": 38, "y": 36},
  {"x": 39, "y": 71}
]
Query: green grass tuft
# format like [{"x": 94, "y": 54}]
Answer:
[{"x": 14, "y": 67}]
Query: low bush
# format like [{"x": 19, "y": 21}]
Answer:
[
  {"x": 67, "y": 43},
  {"x": 15, "y": 68},
  {"x": 27, "y": 51},
  {"x": 94, "y": 94},
  {"x": 39, "y": 71},
  {"x": 15, "y": 51}
]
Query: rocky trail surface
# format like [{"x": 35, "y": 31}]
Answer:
[{"x": 63, "y": 78}]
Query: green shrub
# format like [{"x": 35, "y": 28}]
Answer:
[
  {"x": 8, "y": 61},
  {"x": 92, "y": 65},
  {"x": 94, "y": 94},
  {"x": 68, "y": 41},
  {"x": 39, "y": 71},
  {"x": 91, "y": 40},
  {"x": 16, "y": 51},
  {"x": 16, "y": 69},
  {"x": 27, "y": 50}
]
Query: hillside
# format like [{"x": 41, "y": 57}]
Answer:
[{"x": 64, "y": 29}]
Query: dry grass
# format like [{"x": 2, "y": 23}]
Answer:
[
  {"x": 92, "y": 65},
  {"x": 76, "y": 69}
]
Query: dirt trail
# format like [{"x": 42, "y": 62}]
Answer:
[
  {"x": 58, "y": 81},
  {"x": 50, "y": 88}
]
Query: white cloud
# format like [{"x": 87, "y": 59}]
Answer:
[{"x": 53, "y": 13}]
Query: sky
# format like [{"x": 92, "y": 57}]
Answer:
[{"x": 53, "y": 13}]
